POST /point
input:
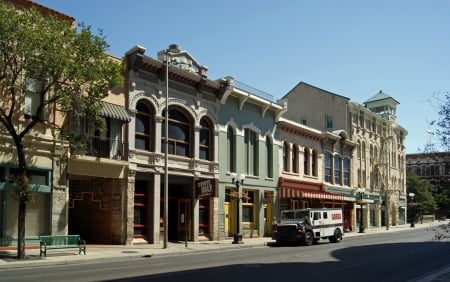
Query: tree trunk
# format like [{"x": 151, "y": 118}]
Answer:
[
  {"x": 21, "y": 229},
  {"x": 23, "y": 197}
]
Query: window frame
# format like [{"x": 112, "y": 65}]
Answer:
[
  {"x": 207, "y": 131},
  {"x": 144, "y": 136},
  {"x": 231, "y": 149},
  {"x": 327, "y": 167},
  {"x": 177, "y": 145},
  {"x": 251, "y": 151}
]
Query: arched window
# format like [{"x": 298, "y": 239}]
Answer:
[
  {"x": 314, "y": 163},
  {"x": 143, "y": 125},
  {"x": 295, "y": 158},
  {"x": 306, "y": 162},
  {"x": 251, "y": 151},
  {"x": 205, "y": 139},
  {"x": 269, "y": 157},
  {"x": 179, "y": 133},
  {"x": 327, "y": 168},
  {"x": 359, "y": 150},
  {"x": 231, "y": 150},
  {"x": 285, "y": 156}
]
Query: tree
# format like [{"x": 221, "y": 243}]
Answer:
[
  {"x": 443, "y": 121},
  {"x": 64, "y": 67},
  {"x": 423, "y": 190}
]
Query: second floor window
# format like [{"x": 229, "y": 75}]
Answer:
[
  {"x": 306, "y": 162},
  {"x": 269, "y": 156},
  {"x": 285, "y": 156},
  {"x": 33, "y": 99},
  {"x": 231, "y": 150},
  {"x": 327, "y": 170},
  {"x": 337, "y": 170},
  {"x": 251, "y": 152},
  {"x": 294, "y": 158},
  {"x": 143, "y": 133},
  {"x": 314, "y": 163},
  {"x": 205, "y": 139},
  {"x": 179, "y": 133},
  {"x": 346, "y": 172}
]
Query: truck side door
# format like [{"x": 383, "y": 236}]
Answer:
[{"x": 317, "y": 223}]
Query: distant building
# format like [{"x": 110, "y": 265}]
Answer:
[
  {"x": 373, "y": 158},
  {"x": 433, "y": 167}
]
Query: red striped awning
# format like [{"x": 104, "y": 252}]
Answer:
[{"x": 319, "y": 195}]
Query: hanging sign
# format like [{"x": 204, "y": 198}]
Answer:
[{"x": 205, "y": 188}]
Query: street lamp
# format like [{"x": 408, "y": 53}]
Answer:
[
  {"x": 237, "y": 180},
  {"x": 360, "y": 194},
  {"x": 412, "y": 204},
  {"x": 171, "y": 51}
]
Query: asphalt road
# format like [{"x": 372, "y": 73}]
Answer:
[{"x": 402, "y": 256}]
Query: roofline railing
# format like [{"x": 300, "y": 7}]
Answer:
[{"x": 245, "y": 87}]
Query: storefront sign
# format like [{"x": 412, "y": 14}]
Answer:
[{"x": 205, "y": 188}]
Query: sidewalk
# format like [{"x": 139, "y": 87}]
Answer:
[{"x": 116, "y": 252}]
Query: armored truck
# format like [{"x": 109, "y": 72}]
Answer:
[{"x": 307, "y": 226}]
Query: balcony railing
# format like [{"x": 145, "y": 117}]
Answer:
[{"x": 100, "y": 147}]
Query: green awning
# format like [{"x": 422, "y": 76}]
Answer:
[{"x": 115, "y": 111}]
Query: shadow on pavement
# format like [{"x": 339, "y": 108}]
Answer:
[{"x": 381, "y": 262}]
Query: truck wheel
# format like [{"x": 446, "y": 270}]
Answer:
[
  {"x": 308, "y": 240},
  {"x": 337, "y": 236}
]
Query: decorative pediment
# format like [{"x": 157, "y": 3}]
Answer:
[{"x": 183, "y": 60}]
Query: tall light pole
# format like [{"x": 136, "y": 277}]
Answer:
[
  {"x": 237, "y": 180},
  {"x": 173, "y": 49},
  {"x": 360, "y": 194}
]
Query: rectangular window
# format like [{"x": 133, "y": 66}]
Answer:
[
  {"x": 247, "y": 213},
  {"x": 337, "y": 170},
  {"x": 33, "y": 89},
  {"x": 269, "y": 158},
  {"x": 231, "y": 150},
  {"x": 36, "y": 177},
  {"x": 347, "y": 172},
  {"x": 329, "y": 121},
  {"x": 39, "y": 177}
]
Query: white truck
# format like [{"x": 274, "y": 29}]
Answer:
[{"x": 307, "y": 226}]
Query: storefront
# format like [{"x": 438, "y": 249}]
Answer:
[
  {"x": 206, "y": 190},
  {"x": 296, "y": 194}
]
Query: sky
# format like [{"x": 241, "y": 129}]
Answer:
[{"x": 352, "y": 48}]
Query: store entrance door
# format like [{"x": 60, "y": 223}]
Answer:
[{"x": 184, "y": 219}]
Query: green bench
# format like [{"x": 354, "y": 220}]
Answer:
[{"x": 61, "y": 242}]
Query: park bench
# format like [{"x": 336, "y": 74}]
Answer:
[{"x": 61, "y": 242}]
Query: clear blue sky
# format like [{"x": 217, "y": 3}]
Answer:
[{"x": 351, "y": 48}]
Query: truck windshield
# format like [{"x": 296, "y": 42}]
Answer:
[{"x": 301, "y": 214}]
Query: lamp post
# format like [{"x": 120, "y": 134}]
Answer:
[
  {"x": 360, "y": 194},
  {"x": 172, "y": 50},
  {"x": 412, "y": 204},
  {"x": 237, "y": 180}
]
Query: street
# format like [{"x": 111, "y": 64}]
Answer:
[{"x": 402, "y": 256}]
